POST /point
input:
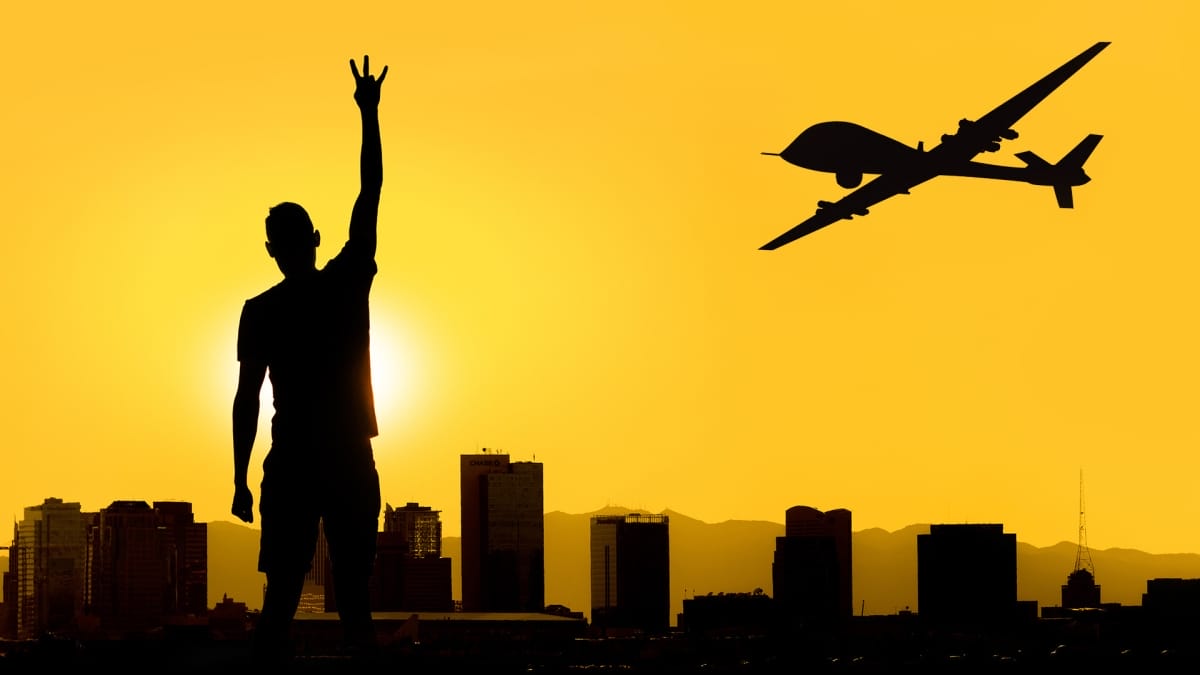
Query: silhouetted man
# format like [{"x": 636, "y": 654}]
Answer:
[{"x": 310, "y": 333}]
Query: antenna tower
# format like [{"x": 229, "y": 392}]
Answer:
[{"x": 1083, "y": 556}]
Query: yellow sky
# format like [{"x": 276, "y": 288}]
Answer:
[{"x": 569, "y": 268}]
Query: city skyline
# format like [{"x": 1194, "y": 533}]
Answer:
[
  {"x": 800, "y": 520},
  {"x": 569, "y": 268},
  {"x": 124, "y": 595}
]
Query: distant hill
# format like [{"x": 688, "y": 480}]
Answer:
[
  {"x": 233, "y": 564},
  {"x": 735, "y": 557}
]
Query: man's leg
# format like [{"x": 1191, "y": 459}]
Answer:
[
  {"x": 272, "y": 635},
  {"x": 351, "y": 529},
  {"x": 290, "y": 523},
  {"x": 354, "y": 607}
]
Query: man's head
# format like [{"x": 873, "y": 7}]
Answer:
[{"x": 291, "y": 239}]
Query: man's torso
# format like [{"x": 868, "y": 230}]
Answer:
[{"x": 313, "y": 333}]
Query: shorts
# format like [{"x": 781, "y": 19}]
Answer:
[{"x": 302, "y": 486}]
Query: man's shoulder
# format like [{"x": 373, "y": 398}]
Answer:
[
  {"x": 264, "y": 299},
  {"x": 352, "y": 258}
]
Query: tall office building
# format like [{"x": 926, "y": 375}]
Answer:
[
  {"x": 51, "y": 543},
  {"x": 1173, "y": 602},
  {"x": 8, "y": 619},
  {"x": 317, "y": 594},
  {"x": 631, "y": 572},
  {"x": 410, "y": 572},
  {"x": 185, "y": 546},
  {"x": 319, "y": 571},
  {"x": 812, "y": 572},
  {"x": 125, "y": 568},
  {"x": 967, "y": 574},
  {"x": 418, "y": 527},
  {"x": 146, "y": 564},
  {"x": 503, "y": 549}
]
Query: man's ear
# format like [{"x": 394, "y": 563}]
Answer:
[
  {"x": 269, "y": 251},
  {"x": 316, "y": 238}
]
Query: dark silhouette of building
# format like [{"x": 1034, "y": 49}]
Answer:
[
  {"x": 419, "y": 526},
  {"x": 503, "y": 547},
  {"x": 1171, "y": 612},
  {"x": 410, "y": 572},
  {"x": 228, "y": 620},
  {"x": 967, "y": 574},
  {"x": 184, "y": 544},
  {"x": 8, "y": 617},
  {"x": 728, "y": 614},
  {"x": 317, "y": 594},
  {"x": 125, "y": 569},
  {"x": 812, "y": 571},
  {"x": 449, "y": 642},
  {"x": 631, "y": 572},
  {"x": 50, "y": 546},
  {"x": 1172, "y": 598},
  {"x": 1081, "y": 590},
  {"x": 145, "y": 565}
]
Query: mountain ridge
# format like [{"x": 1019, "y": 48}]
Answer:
[{"x": 735, "y": 556}]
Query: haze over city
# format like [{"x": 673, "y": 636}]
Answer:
[{"x": 569, "y": 267}]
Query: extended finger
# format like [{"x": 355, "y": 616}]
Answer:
[
  {"x": 382, "y": 75},
  {"x": 366, "y": 65},
  {"x": 354, "y": 69}
]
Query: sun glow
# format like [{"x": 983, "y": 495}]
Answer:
[{"x": 391, "y": 371}]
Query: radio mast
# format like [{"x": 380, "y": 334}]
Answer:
[{"x": 1083, "y": 556}]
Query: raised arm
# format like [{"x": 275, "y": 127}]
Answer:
[{"x": 366, "y": 208}]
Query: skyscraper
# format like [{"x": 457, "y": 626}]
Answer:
[
  {"x": 812, "y": 572},
  {"x": 631, "y": 572},
  {"x": 503, "y": 551},
  {"x": 184, "y": 544},
  {"x": 126, "y": 570},
  {"x": 967, "y": 574},
  {"x": 51, "y": 547},
  {"x": 317, "y": 595},
  {"x": 8, "y": 621},
  {"x": 410, "y": 572},
  {"x": 145, "y": 564},
  {"x": 418, "y": 527}
]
